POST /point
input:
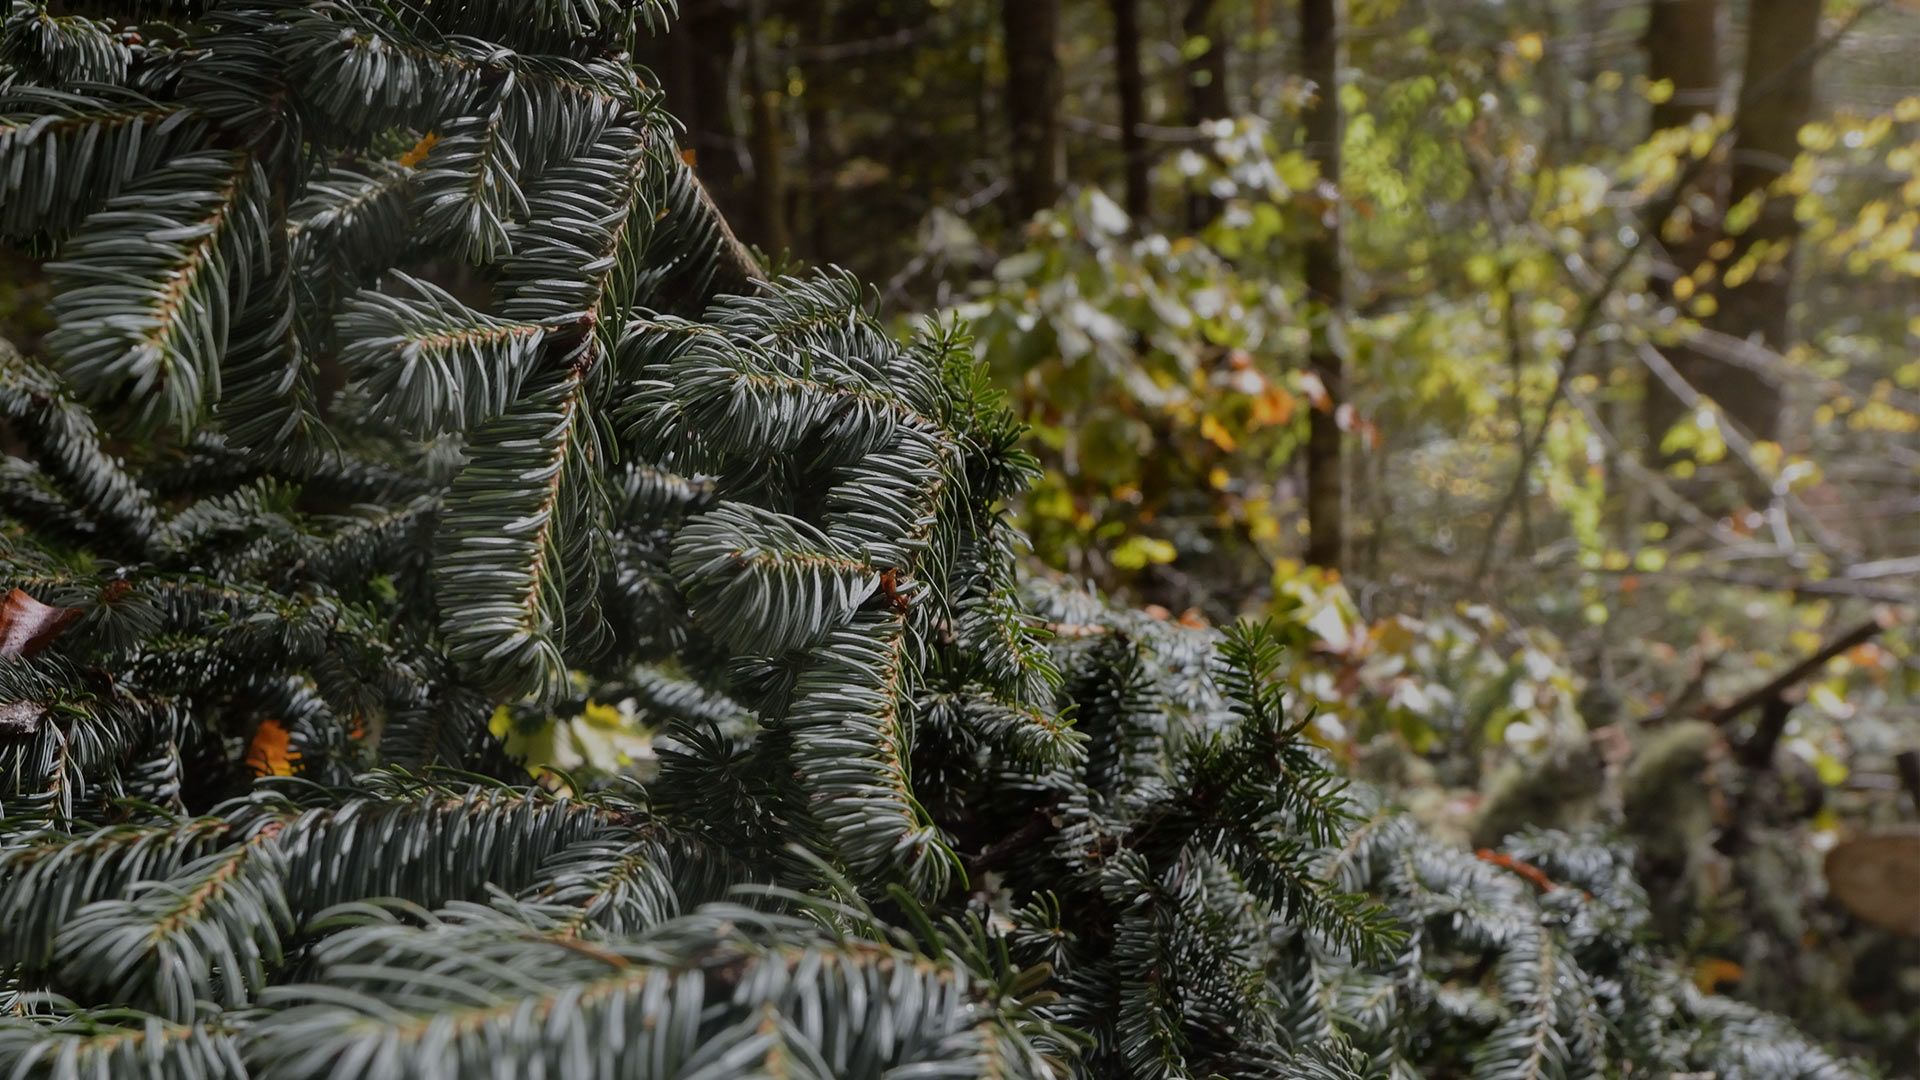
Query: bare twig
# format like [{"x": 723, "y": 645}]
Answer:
[
  {"x": 835, "y": 51},
  {"x": 1742, "y": 448},
  {"x": 1662, "y": 491},
  {"x": 737, "y": 258},
  {"x": 1883, "y": 619},
  {"x": 1111, "y": 132},
  {"x": 1884, "y": 568},
  {"x": 1648, "y": 225}
]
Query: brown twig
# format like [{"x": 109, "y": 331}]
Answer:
[
  {"x": 744, "y": 269},
  {"x": 1883, "y": 619}
]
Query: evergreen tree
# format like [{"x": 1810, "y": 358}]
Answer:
[{"x": 401, "y": 373}]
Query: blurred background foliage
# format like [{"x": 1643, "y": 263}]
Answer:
[
  {"x": 1624, "y": 388},
  {"x": 1616, "y": 388}
]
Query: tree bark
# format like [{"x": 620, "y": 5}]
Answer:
[
  {"x": 1326, "y": 288},
  {"x": 1032, "y": 31},
  {"x": 695, "y": 55},
  {"x": 1776, "y": 100},
  {"x": 769, "y": 164},
  {"x": 1206, "y": 90},
  {"x": 822, "y": 196},
  {"x": 1133, "y": 107},
  {"x": 1683, "y": 46}
]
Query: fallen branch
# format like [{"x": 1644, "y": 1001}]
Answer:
[{"x": 1883, "y": 619}]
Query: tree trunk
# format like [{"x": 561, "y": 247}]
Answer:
[
  {"x": 1683, "y": 46},
  {"x": 769, "y": 165},
  {"x": 1326, "y": 287},
  {"x": 1133, "y": 106},
  {"x": 1776, "y": 96},
  {"x": 1032, "y": 29},
  {"x": 825, "y": 148},
  {"x": 1206, "y": 90},
  {"x": 696, "y": 53}
]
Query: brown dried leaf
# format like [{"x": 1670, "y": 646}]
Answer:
[
  {"x": 1877, "y": 877},
  {"x": 27, "y": 625}
]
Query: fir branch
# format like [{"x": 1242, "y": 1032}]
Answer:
[
  {"x": 144, "y": 290},
  {"x": 63, "y": 154},
  {"x": 512, "y": 567},
  {"x": 433, "y": 363},
  {"x": 118, "y": 1043},
  {"x": 62, "y": 50},
  {"x": 851, "y": 746},
  {"x": 765, "y": 582},
  {"x": 69, "y": 447}
]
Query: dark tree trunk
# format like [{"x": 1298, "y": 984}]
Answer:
[
  {"x": 1326, "y": 287},
  {"x": 769, "y": 164},
  {"x": 1776, "y": 97},
  {"x": 824, "y": 149},
  {"x": 1206, "y": 89},
  {"x": 694, "y": 57},
  {"x": 1683, "y": 45},
  {"x": 1032, "y": 31},
  {"x": 1133, "y": 106}
]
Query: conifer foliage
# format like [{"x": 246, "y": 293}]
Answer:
[{"x": 401, "y": 373}]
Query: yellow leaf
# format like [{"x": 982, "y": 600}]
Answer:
[
  {"x": 1818, "y": 137},
  {"x": 1216, "y": 433},
  {"x": 1261, "y": 524},
  {"x": 1529, "y": 46},
  {"x": 1137, "y": 551},
  {"x": 1219, "y": 478},
  {"x": 604, "y": 716}
]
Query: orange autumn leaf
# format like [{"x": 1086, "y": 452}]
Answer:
[
  {"x": 420, "y": 150},
  {"x": 1712, "y": 972},
  {"x": 271, "y": 751},
  {"x": 1274, "y": 407}
]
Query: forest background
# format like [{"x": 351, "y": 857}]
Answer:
[{"x": 1547, "y": 369}]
